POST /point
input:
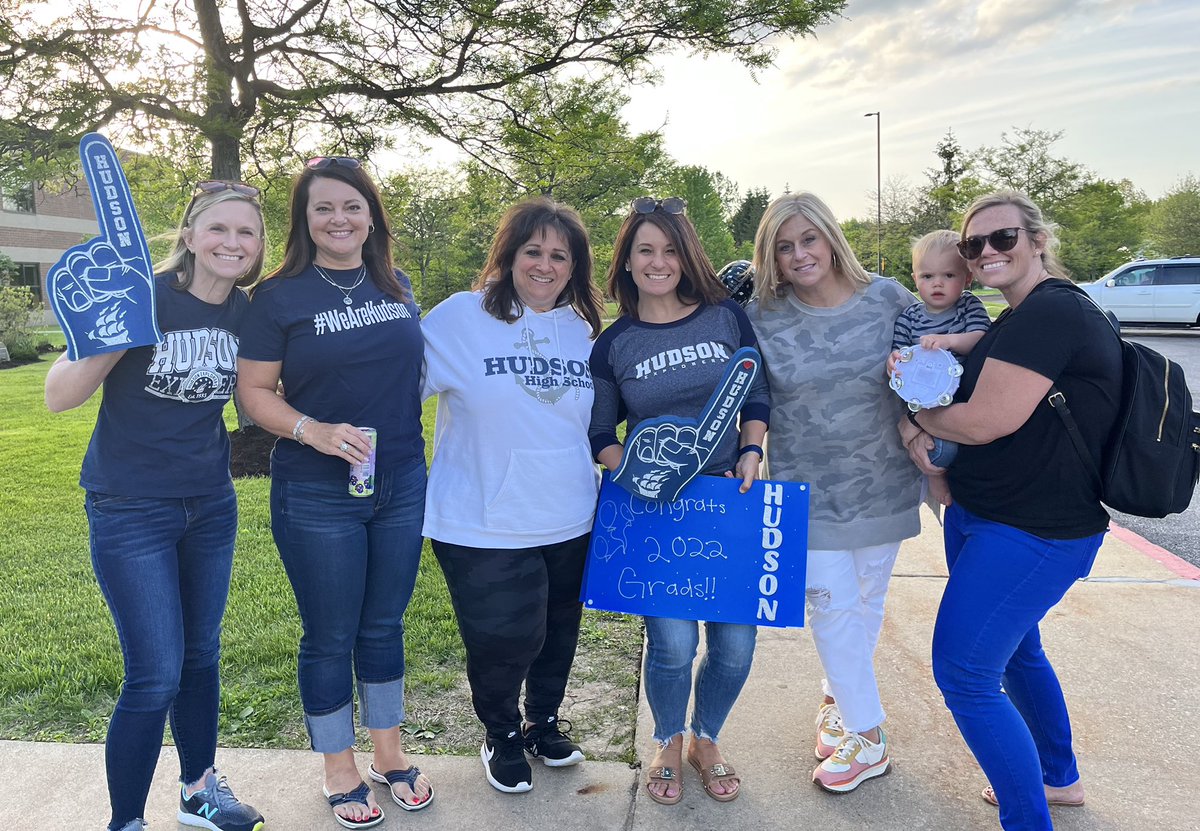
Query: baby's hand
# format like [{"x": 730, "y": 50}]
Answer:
[
  {"x": 891, "y": 363},
  {"x": 935, "y": 342}
]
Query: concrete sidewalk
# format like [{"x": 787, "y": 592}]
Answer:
[{"x": 1123, "y": 642}]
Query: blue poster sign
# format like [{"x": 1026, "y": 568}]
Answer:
[
  {"x": 713, "y": 554},
  {"x": 102, "y": 291}
]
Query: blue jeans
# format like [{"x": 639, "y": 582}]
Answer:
[
  {"x": 352, "y": 562},
  {"x": 943, "y": 452},
  {"x": 670, "y": 650},
  {"x": 1002, "y": 583},
  {"x": 163, "y": 566}
]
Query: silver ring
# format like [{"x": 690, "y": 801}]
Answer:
[{"x": 344, "y": 447}]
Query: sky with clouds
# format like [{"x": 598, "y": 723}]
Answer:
[{"x": 1120, "y": 78}]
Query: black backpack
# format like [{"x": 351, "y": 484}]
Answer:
[{"x": 1152, "y": 458}]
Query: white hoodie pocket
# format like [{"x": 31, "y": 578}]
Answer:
[{"x": 544, "y": 490}]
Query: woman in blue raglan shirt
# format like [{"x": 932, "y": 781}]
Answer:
[
  {"x": 161, "y": 508},
  {"x": 672, "y": 303},
  {"x": 336, "y": 323}
]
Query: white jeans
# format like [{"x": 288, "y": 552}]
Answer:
[{"x": 844, "y": 601}]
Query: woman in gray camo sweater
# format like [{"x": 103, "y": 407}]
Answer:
[{"x": 824, "y": 328}]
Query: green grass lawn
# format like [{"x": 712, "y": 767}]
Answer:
[{"x": 60, "y": 666}]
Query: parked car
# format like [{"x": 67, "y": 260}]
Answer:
[{"x": 1165, "y": 291}]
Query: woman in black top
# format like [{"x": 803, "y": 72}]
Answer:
[{"x": 1026, "y": 520}]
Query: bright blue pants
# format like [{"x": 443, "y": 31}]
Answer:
[{"x": 1002, "y": 583}]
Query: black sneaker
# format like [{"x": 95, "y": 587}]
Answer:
[
  {"x": 504, "y": 763},
  {"x": 551, "y": 742},
  {"x": 217, "y": 809}
]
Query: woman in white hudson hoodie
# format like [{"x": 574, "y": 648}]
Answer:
[{"x": 512, "y": 486}]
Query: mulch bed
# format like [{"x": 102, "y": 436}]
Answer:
[{"x": 250, "y": 451}]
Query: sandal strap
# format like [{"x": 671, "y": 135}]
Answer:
[
  {"x": 721, "y": 770},
  {"x": 663, "y": 774},
  {"x": 408, "y": 776},
  {"x": 359, "y": 794}
]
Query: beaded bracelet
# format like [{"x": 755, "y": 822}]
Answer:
[{"x": 298, "y": 430}]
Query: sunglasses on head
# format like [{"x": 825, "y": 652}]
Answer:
[
  {"x": 218, "y": 185},
  {"x": 650, "y": 204},
  {"x": 322, "y": 162},
  {"x": 1002, "y": 239}
]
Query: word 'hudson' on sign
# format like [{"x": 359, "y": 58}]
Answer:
[{"x": 713, "y": 554}]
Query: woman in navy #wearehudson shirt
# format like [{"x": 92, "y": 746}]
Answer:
[{"x": 338, "y": 326}]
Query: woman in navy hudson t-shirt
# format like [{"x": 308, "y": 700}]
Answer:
[
  {"x": 161, "y": 509},
  {"x": 338, "y": 326}
]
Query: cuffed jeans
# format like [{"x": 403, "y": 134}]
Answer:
[
  {"x": 670, "y": 652},
  {"x": 844, "y": 597},
  {"x": 1002, "y": 583},
  {"x": 163, "y": 566},
  {"x": 518, "y": 612},
  {"x": 352, "y": 562}
]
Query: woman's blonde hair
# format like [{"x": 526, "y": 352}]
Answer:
[
  {"x": 1032, "y": 221},
  {"x": 768, "y": 284},
  {"x": 182, "y": 262}
]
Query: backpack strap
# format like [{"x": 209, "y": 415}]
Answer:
[{"x": 1058, "y": 403}]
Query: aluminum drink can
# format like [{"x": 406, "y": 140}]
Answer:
[{"x": 362, "y": 475}]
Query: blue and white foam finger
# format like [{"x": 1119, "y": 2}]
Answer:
[
  {"x": 102, "y": 290},
  {"x": 664, "y": 454}
]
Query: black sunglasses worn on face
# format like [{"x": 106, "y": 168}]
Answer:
[
  {"x": 1002, "y": 239},
  {"x": 218, "y": 185},
  {"x": 650, "y": 204},
  {"x": 322, "y": 162}
]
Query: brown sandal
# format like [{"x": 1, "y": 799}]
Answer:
[
  {"x": 989, "y": 796},
  {"x": 720, "y": 770},
  {"x": 664, "y": 774}
]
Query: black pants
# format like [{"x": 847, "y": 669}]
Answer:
[{"x": 518, "y": 613}]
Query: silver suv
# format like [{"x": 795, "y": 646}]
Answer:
[{"x": 1151, "y": 291}]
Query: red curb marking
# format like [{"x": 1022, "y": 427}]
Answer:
[{"x": 1157, "y": 553}]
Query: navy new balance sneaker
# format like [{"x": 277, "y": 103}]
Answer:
[{"x": 217, "y": 809}]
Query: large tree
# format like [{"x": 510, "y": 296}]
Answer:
[
  {"x": 1024, "y": 161},
  {"x": 1101, "y": 227},
  {"x": 1173, "y": 226},
  {"x": 260, "y": 74},
  {"x": 744, "y": 222}
]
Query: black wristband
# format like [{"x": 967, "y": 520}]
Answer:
[
  {"x": 752, "y": 447},
  {"x": 912, "y": 418}
]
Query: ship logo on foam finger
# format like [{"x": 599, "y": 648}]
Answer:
[
  {"x": 102, "y": 290},
  {"x": 110, "y": 326},
  {"x": 664, "y": 454}
]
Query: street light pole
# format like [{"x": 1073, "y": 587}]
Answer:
[{"x": 878, "y": 197}]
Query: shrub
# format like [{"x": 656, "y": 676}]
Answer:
[
  {"x": 14, "y": 323},
  {"x": 21, "y": 348}
]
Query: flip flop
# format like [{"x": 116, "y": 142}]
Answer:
[
  {"x": 664, "y": 774},
  {"x": 720, "y": 770},
  {"x": 358, "y": 795},
  {"x": 989, "y": 796},
  {"x": 408, "y": 776}
]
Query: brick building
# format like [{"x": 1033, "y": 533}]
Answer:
[{"x": 37, "y": 226}]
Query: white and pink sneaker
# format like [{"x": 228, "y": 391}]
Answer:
[
  {"x": 829, "y": 730},
  {"x": 855, "y": 760}
]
